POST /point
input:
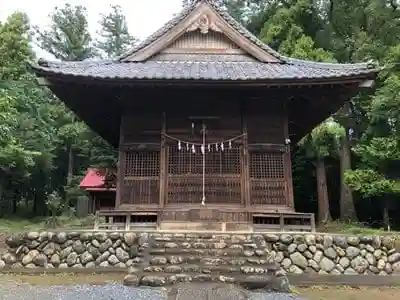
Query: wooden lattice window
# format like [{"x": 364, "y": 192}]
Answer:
[
  {"x": 267, "y": 165},
  {"x": 222, "y": 176},
  {"x": 142, "y": 163},
  {"x": 141, "y": 183},
  {"x": 267, "y": 178}
]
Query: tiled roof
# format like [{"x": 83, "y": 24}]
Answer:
[{"x": 203, "y": 70}]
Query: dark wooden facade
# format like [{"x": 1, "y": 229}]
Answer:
[
  {"x": 253, "y": 174},
  {"x": 204, "y": 69}
]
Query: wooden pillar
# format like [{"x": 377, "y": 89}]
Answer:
[
  {"x": 163, "y": 163},
  {"x": 246, "y": 162},
  {"x": 120, "y": 164},
  {"x": 93, "y": 201},
  {"x": 287, "y": 160}
]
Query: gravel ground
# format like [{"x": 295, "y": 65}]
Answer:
[{"x": 13, "y": 291}]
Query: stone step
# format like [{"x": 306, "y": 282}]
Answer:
[
  {"x": 262, "y": 282},
  {"x": 211, "y": 260},
  {"x": 208, "y": 252},
  {"x": 214, "y": 239},
  {"x": 213, "y": 269},
  {"x": 197, "y": 235},
  {"x": 201, "y": 244}
]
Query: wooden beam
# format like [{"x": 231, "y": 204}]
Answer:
[
  {"x": 287, "y": 160},
  {"x": 163, "y": 162},
  {"x": 246, "y": 161},
  {"x": 206, "y": 83}
]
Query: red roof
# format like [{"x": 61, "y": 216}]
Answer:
[{"x": 94, "y": 180}]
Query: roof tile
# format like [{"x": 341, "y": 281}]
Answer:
[{"x": 206, "y": 70}]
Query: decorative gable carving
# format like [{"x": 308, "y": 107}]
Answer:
[
  {"x": 204, "y": 23},
  {"x": 202, "y": 20}
]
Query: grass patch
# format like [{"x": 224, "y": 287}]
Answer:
[
  {"x": 348, "y": 293},
  {"x": 358, "y": 229},
  {"x": 19, "y": 224},
  {"x": 15, "y": 224},
  {"x": 354, "y": 228}
]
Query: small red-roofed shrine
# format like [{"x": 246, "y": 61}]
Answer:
[{"x": 101, "y": 193}]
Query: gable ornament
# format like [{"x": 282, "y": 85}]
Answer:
[{"x": 204, "y": 24}]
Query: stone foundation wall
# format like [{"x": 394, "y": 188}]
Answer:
[
  {"x": 201, "y": 256},
  {"x": 71, "y": 249}
]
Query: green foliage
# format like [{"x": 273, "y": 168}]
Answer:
[
  {"x": 323, "y": 140},
  {"x": 360, "y": 29},
  {"x": 303, "y": 47},
  {"x": 68, "y": 37},
  {"x": 72, "y": 190},
  {"x": 369, "y": 183},
  {"x": 379, "y": 152},
  {"x": 384, "y": 110},
  {"x": 115, "y": 38},
  {"x": 15, "y": 156},
  {"x": 290, "y": 31},
  {"x": 8, "y": 120},
  {"x": 14, "y": 47},
  {"x": 54, "y": 203},
  {"x": 36, "y": 129},
  {"x": 377, "y": 157},
  {"x": 55, "y": 206}
]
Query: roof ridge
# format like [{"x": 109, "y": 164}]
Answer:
[{"x": 71, "y": 64}]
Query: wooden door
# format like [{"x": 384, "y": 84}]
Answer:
[{"x": 223, "y": 168}]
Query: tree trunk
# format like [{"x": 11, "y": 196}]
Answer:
[
  {"x": 324, "y": 214},
  {"x": 70, "y": 164},
  {"x": 347, "y": 208},
  {"x": 69, "y": 172},
  {"x": 2, "y": 189},
  {"x": 385, "y": 213},
  {"x": 39, "y": 194},
  {"x": 15, "y": 203}
]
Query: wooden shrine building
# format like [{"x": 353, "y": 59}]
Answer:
[
  {"x": 203, "y": 114},
  {"x": 100, "y": 187}
]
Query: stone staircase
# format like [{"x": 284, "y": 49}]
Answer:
[{"x": 202, "y": 257}]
